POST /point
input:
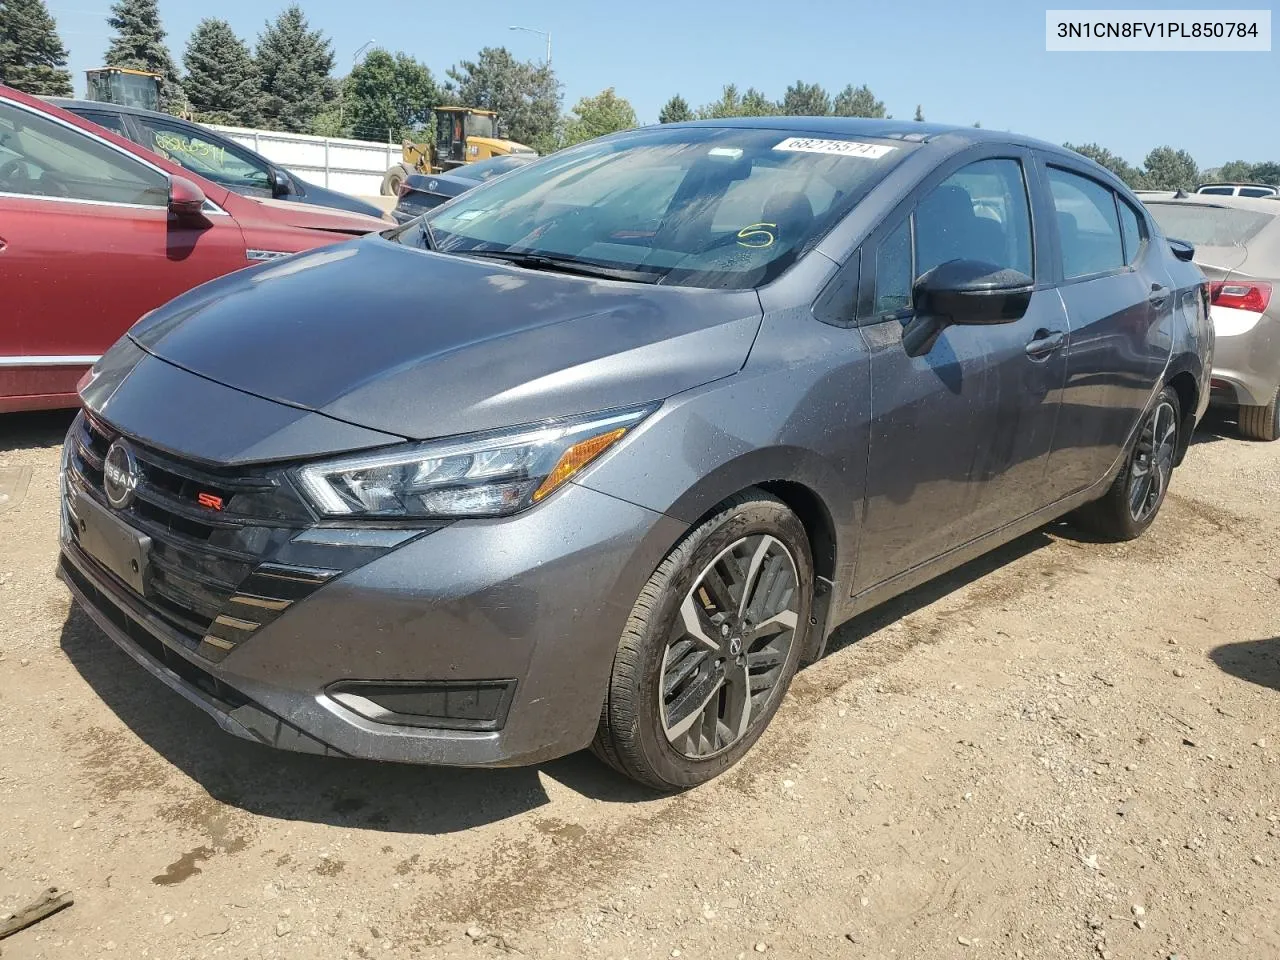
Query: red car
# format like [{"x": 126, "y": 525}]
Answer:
[{"x": 95, "y": 231}]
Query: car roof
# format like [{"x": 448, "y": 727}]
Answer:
[
  {"x": 67, "y": 103},
  {"x": 911, "y": 130}
]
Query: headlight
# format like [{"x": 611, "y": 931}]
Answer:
[{"x": 486, "y": 475}]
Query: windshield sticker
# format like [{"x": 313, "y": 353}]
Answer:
[
  {"x": 840, "y": 148},
  {"x": 757, "y": 236},
  {"x": 462, "y": 216}
]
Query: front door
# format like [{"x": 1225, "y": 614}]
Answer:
[
  {"x": 960, "y": 436},
  {"x": 87, "y": 246}
]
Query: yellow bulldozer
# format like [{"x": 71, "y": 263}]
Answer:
[
  {"x": 463, "y": 135},
  {"x": 124, "y": 86}
]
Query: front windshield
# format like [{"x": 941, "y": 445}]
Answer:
[{"x": 698, "y": 206}]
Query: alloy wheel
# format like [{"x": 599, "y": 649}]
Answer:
[
  {"x": 726, "y": 652},
  {"x": 1153, "y": 462}
]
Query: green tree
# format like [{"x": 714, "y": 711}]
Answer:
[
  {"x": 294, "y": 63},
  {"x": 805, "y": 100},
  {"x": 222, "y": 80},
  {"x": 1267, "y": 172},
  {"x": 1170, "y": 169},
  {"x": 756, "y": 104},
  {"x": 857, "y": 102},
  {"x": 919, "y": 113},
  {"x": 1235, "y": 170},
  {"x": 388, "y": 96},
  {"x": 32, "y": 57},
  {"x": 139, "y": 45},
  {"x": 596, "y": 116},
  {"x": 525, "y": 95},
  {"x": 729, "y": 105},
  {"x": 675, "y": 110},
  {"x": 1105, "y": 158}
]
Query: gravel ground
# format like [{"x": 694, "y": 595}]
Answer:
[{"x": 1063, "y": 750}]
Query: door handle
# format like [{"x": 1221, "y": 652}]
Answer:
[
  {"x": 1045, "y": 343},
  {"x": 1159, "y": 295}
]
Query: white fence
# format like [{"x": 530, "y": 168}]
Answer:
[{"x": 350, "y": 166}]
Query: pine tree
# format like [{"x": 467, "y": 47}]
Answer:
[
  {"x": 675, "y": 110},
  {"x": 222, "y": 79},
  {"x": 294, "y": 63},
  {"x": 32, "y": 57},
  {"x": 139, "y": 45}
]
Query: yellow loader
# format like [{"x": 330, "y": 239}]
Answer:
[{"x": 463, "y": 135}]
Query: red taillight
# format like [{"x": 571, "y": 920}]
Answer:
[{"x": 1252, "y": 295}]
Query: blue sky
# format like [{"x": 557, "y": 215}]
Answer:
[{"x": 962, "y": 61}]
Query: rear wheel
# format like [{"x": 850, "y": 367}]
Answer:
[
  {"x": 710, "y": 648},
  {"x": 1261, "y": 423},
  {"x": 1134, "y": 499}
]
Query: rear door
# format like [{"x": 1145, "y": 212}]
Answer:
[
  {"x": 960, "y": 437},
  {"x": 1120, "y": 305},
  {"x": 87, "y": 245}
]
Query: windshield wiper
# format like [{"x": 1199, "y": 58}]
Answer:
[
  {"x": 562, "y": 264},
  {"x": 429, "y": 238}
]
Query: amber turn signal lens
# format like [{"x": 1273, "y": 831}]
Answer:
[{"x": 575, "y": 458}]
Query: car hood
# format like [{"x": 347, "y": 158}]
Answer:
[
  {"x": 424, "y": 345},
  {"x": 324, "y": 197},
  {"x": 312, "y": 217}
]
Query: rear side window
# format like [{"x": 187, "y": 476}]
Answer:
[
  {"x": 42, "y": 158},
  {"x": 112, "y": 121},
  {"x": 1133, "y": 230},
  {"x": 1088, "y": 225},
  {"x": 1209, "y": 226}
]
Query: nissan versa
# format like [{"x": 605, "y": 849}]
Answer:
[{"x": 600, "y": 451}]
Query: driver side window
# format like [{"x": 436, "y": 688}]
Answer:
[{"x": 42, "y": 158}]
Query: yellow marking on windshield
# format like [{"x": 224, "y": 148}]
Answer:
[{"x": 757, "y": 236}]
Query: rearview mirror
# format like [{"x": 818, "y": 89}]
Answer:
[
  {"x": 186, "y": 200},
  {"x": 964, "y": 292},
  {"x": 280, "y": 183}
]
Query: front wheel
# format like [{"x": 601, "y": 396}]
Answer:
[
  {"x": 1134, "y": 499},
  {"x": 710, "y": 648}
]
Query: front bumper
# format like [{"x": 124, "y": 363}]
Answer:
[{"x": 540, "y": 598}]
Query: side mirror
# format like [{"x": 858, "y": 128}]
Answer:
[
  {"x": 281, "y": 185},
  {"x": 1182, "y": 249},
  {"x": 186, "y": 200},
  {"x": 964, "y": 292}
]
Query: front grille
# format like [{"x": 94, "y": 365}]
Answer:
[{"x": 199, "y": 556}]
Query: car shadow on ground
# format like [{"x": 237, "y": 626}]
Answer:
[
  {"x": 390, "y": 797},
  {"x": 1257, "y": 661},
  {"x": 865, "y": 624},
  {"x": 20, "y": 431},
  {"x": 1216, "y": 425}
]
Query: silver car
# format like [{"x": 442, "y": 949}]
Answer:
[{"x": 1237, "y": 241}]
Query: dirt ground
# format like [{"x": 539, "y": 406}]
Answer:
[{"x": 1063, "y": 750}]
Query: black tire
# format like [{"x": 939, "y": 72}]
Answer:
[
  {"x": 1112, "y": 517},
  {"x": 1261, "y": 423},
  {"x": 631, "y": 737}
]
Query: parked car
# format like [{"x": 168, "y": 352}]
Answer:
[
  {"x": 1237, "y": 241},
  {"x": 95, "y": 231},
  {"x": 212, "y": 155},
  {"x": 600, "y": 451},
  {"x": 419, "y": 193},
  {"x": 1239, "y": 189}
]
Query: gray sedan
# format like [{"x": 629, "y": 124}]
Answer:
[
  {"x": 601, "y": 451},
  {"x": 1237, "y": 242}
]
